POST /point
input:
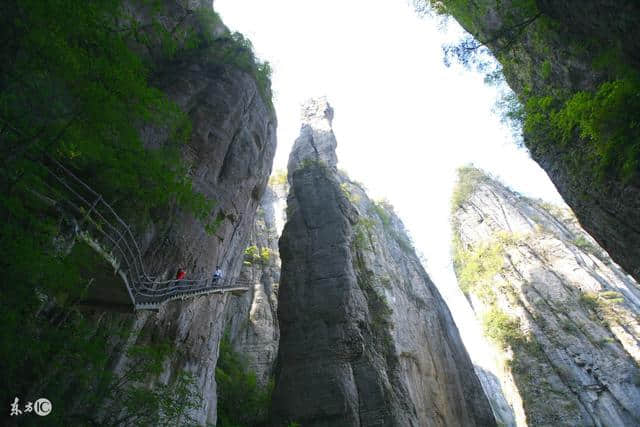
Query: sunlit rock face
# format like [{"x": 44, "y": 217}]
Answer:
[
  {"x": 365, "y": 338},
  {"x": 316, "y": 141},
  {"x": 229, "y": 156},
  {"x": 572, "y": 46},
  {"x": 563, "y": 314}
]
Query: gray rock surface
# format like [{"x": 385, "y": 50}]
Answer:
[
  {"x": 508, "y": 412},
  {"x": 253, "y": 321},
  {"x": 229, "y": 156},
  {"x": 316, "y": 141},
  {"x": 365, "y": 337},
  {"x": 572, "y": 352},
  {"x": 570, "y": 37}
]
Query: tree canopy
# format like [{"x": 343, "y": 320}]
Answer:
[{"x": 73, "y": 88}]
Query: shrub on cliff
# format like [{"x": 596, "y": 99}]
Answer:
[
  {"x": 477, "y": 266},
  {"x": 468, "y": 177},
  {"x": 278, "y": 178},
  {"x": 237, "y": 50},
  {"x": 241, "y": 400},
  {"x": 132, "y": 402},
  {"x": 253, "y": 254},
  {"x": 501, "y": 328},
  {"x": 608, "y": 119},
  {"x": 73, "y": 89}
]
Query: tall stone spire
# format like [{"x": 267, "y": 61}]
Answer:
[
  {"x": 318, "y": 113},
  {"x": 365, "y": 337},
  {"x": 316, "y": 141}
]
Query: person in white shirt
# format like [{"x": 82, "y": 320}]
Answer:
[{"x": 217, "y": 275}]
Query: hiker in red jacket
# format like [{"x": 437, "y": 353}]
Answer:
[{"x": 180, "y": 274}]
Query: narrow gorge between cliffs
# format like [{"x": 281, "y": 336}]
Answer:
[{"x": 182, "y": 247}]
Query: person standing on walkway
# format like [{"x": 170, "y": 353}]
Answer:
[
  {"x": 180, "y": 275},
  {"x": 217, "y": 275}
]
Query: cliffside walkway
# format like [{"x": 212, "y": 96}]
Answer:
[{"x": 97, "y": 223}]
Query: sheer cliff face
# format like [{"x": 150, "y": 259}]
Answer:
[
  {"x": 365, "y": 337},
  {"x": 253, "y": 324},
  {"x": 558, "y": 53},
  {"x": 230, "y": 156},
  {"x": 563, "y": 314}
]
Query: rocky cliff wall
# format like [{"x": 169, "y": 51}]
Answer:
[
  {"x": 253, "y": 321},
  {"x": 561, "y": 312},
  {"x": 550, "y": 51},
  {"x": 365, "y": 336},
  {"x": 229, "y": 156}
]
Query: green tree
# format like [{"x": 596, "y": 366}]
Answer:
[
  {"x": 607, "y": 119},
  {"x": 242, "y": 401},
  {"x": 72, "y": 89},
  {"x": 516, "y": 18},
  {"x": 131, "y": 401},
  {"x": 76, "y": 87},
  {"x": 600, "y": 121}
]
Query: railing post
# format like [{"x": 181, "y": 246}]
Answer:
[
  {"x": 116, "y": 244},
  {"x": 126, "y": 253},
  {"x": 93, "y": 206}
]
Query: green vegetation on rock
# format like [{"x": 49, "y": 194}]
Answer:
[
  {"x": 131, "y": 402},
  {"x": 585, "y": 245},
  {"x": 71, "y": 365},
  {"x": 604, "y": 305},
  {"x": 242, "y": 401},
  {"x": 608, "y": 119},
  {"x": 362, "y": 232},
  {"x": 237, "y": 50},
  {"x": 517, "y": 17},
  {"x": 345, "y": 188},
  {"x": 380, "y": 209},
  {"x": 468, "y": 178},
  {"x": 477, "y": 266},
  {"x": 253, "y": 255},
  {"x": 385, "y": 212},
  {"x": 504, "y": 330},
  {"x": 308, "y": 162},
  {"x": 278, "y": 177},
  {"x": 379, "y": 309},
  {"x": 604, "y": 117},
  {"x": 77, "y": 86}
]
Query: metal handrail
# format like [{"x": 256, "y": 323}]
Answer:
[{"x": 100, "y": 217}]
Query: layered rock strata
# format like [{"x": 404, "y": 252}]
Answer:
[
  {"x": 366, "y": 338},
  {"x": 564, "y": 316}
]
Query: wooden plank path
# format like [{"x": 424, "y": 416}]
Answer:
[{"x": 97, "y": 223}]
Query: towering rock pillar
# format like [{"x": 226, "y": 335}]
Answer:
[
  {"x": 365, "y": 337},
  {"x": 316, "y": 142}
]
